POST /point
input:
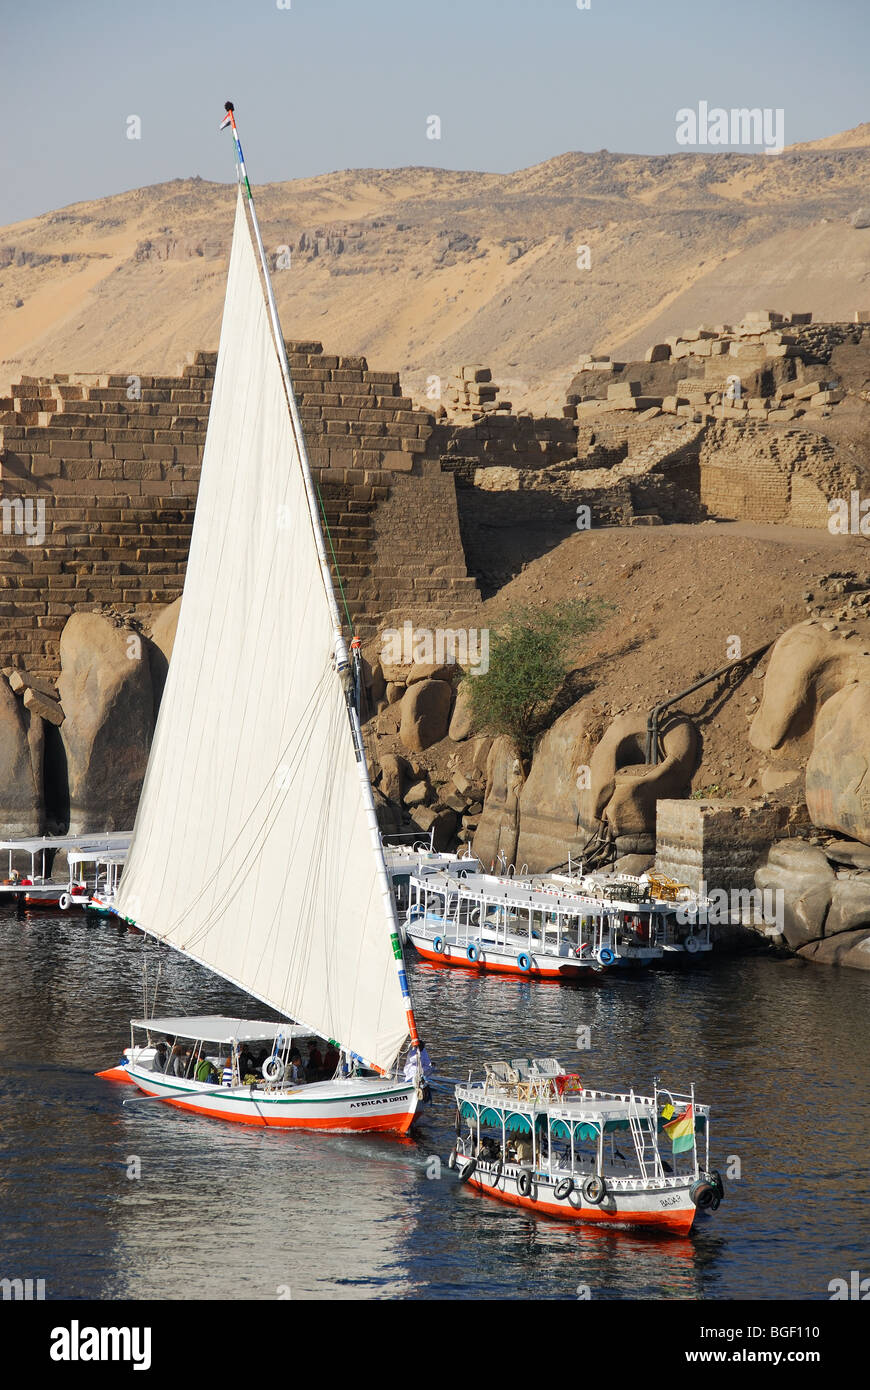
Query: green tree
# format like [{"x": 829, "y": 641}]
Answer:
[{"x": 527, "y": 668}]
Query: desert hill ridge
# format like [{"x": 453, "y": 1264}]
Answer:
[{"x": 419, "y": 268}]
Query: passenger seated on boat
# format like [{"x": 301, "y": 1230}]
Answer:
[
  {"x": 523, "y": 1150},
  {"x": 227, "y": 1072},
  {"x": 161, "y": 1055},
  {"x": 178, "y": 1061},
  {"x": 330, "y": 1061},
  {"x": 205, "y": 1071},
  {"x": 314, "y": 1065},
  {"x": 295, "y": 1073}
]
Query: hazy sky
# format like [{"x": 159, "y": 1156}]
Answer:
[{"x": 321, "y": 85}]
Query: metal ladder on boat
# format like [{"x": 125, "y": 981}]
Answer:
[{"x": 645, "y": 1145}]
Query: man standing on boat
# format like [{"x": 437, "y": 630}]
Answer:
[{"x": 418, "y": 1058}]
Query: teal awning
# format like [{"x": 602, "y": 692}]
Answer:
[
  {"x": 517, "y": 1124},
  {"x": 467, "y": 1111},
  {"x": 586, "y": 1132},
  {"x": 490, "y": 1117},
  {"x": 559, "y": 1130}
]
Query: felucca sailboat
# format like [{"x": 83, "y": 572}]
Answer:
[{"x": 256, "y": 848}]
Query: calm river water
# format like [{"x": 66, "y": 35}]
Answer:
[{"x": 777, "y": 1048}]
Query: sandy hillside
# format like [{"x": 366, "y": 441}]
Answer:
[
  {"x": 678, "y": 596},
  {"x": 422, "y": 268}
]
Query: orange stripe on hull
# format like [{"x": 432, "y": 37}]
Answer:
[
  {"x": 115, "y": 1074},
  {"x": 677, "y": 1222},
  {"x": 399, "y": 1123},
  {"x": 534, "y": 972}
]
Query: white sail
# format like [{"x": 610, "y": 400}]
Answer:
[{"x": 251, "y": 851}]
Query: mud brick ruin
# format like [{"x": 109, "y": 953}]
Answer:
[{"x": 98, "y": 474}]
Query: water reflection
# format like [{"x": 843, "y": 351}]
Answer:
[{"x": 226, "y": 1212}]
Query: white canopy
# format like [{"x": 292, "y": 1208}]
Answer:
[{"x": 214, "y": 1029}]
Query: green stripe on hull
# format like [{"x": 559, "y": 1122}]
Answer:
[{"x": 274, "y": 1100}]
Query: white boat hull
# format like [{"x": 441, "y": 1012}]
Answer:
[
  {"x": 354, "y": 1103},
  {"x": 665, "y": 1203}
]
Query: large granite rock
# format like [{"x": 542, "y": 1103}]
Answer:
[
  {"x": 22, "y": 807},
  {"x": 396, "y": 774},
  {"x": 802, "y": 874},
  {"x": 163, "y": 630},
  {"x": 425, "y": 714},
  {"x": 851, "y": 949},
  {"x": 838, "y": 770},
  {"x": 107, "y": 694},
  {"x": 462, "y": 720},
  {"x": 850, "y": 906},
  {"x": 807, "y": 666},
  {"x": 550, "y": 821},
  {"x": 498, "y": 828},
  {"x": 623, "y": 791}
]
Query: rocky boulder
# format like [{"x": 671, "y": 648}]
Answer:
[
  {"x": 851, "y": 949},
  {"x": 850, "y": 906},
  {"x": 838, "y": 770},
  {"x": 807, "y": 666},
  {"x": 163, "y": 629},
  {"x": 461, "y": 721},
  {"x": 396, "y": 773},
  {"x": 22, "y": 808},
  {"x": 623, "y": 790},
  {"x": 425, "y": 714},
  {"x": 802, "y": 874},
  {"x": 498, "y": 827},
  {"x": 108, "y": 699},
  {"x": 550, "y": 803}
]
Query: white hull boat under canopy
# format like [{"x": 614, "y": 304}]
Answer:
[
  {"x": 256, "y": 848},
  {"x": 512, "y": 926},
  {"x": 532, "y": 1135}
]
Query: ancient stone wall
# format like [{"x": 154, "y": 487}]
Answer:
[
  {"x": 750, "y": 473},
  {"x": 99, "y": 477}
]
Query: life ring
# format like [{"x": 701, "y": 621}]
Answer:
[
  {"x": 605, "y": 956},
  {"x": 523, "y": 961},
  {"x": 595, "y": 1190},
  {"x": 438, "y": 944},
  {"x": 272, "y": 1069},
  {"x": 692, "y": 944},
  {"x": 524, "y": 1183},
  {"x": 64, "y": 901},
  {"x": 703, "y": 1194},
  {"x": 473, "y": 952},
  {"x": 497, "y": 1174},
  {"x": 564, "y": 1189},
  {"x": 468, "y": 1170}
]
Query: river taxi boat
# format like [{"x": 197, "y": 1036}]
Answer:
[
  {"x": 532, "y": 1135},
  {"x": 677, "y": 916},
  {"x": 35, "y": 887},
  {"x": 513, "y": 926}
]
